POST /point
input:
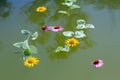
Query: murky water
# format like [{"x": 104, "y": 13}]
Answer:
[{"x": 102, "y": 42}]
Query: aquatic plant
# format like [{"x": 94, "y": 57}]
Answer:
[
  {"x": 70, "y": 4},
  {"x": 28, "y": 49},
  {"x": 81, "y": 24},
  {"x": 60, "y": 48},
  {"x": 76, "y": 34}
]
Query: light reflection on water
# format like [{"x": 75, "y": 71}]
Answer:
[{"x": 102, "y": 42}]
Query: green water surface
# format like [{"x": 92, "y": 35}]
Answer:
[{"x": 103, "y": 42}]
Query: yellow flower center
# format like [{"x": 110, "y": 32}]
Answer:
[
  {"x": 71, "y": 42},
  {"x": 30, "y": 61}
]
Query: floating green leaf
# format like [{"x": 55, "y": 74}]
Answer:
[
  {"x": 26, "y": 52},
  {"x": 63, "y": 12},
  {"x": 60, "y": 48},
  {"x": 76, "y": 34},
  {"x": 66, "y": 48},
  {"x": 90, "y": 26},
  {"x": 70, "y": 0},
  {"x": 23, "y": 45},
  {"x": 18, "y": 44},
  {"x": 67, "y": 4},
  {"x": 74, "y": 6},
  {"x": 25, "y": 32},
  {"x": 80, "y": 21},
  {"x": 68, "y": 33},
  {"x": 34, "y": 35},
  {"x": 81, "y": 24},
  {"x": 79, "y": 34}
]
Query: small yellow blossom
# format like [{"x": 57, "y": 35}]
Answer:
[
  {"x": 31, "y": 61},
  {"x": 41, "y": 9},
  {"x": 72, "y": 42}
]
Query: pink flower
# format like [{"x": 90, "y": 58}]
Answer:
[
  {"x": 56, "y": 28},
  {"x": 97, "y": 63},
  {"x": 46, "y": 28}
]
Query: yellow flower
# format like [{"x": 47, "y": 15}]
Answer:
[
  {"x": 41, "y": 9},
  {"x": 72, "y": 42},
  {"x": 31, "y": 61}
]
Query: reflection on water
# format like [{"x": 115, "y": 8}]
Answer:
[
  {"x": 102, "y": 42},
  {"x": 100, "y": 4},
  {"x": 5, "y": 8},
  {"x": 86, "y": 43},
  {"x": 44, "y": 37},
  {"x": 1, "y": 46}
]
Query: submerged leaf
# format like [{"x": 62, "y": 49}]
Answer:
[
  {"x": 25, "y": 32},
  {"x": 34, "y": 35},
  {"x": 68, "y": 33},
  {"x": 63, "y": 12},
  {"x": 33, "y": 49}
]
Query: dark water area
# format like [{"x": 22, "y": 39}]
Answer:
[{"x": 102, "y": 42}]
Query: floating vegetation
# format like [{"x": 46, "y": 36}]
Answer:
[
  {"x": 70, "y": 4},
  {"x": 28, "y": 50},
  {"x": 60, "y": 48},
  {"x": 41, "y": 9},
  {"x": 76, "y": 34},
  {"x": 82, "y": 25}
]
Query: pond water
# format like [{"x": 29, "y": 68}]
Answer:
[{"x": 102, "y": 42}]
